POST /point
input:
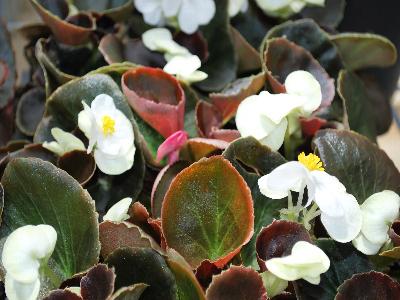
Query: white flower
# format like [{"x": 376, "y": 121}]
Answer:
[
  {"x": 161, "y": 40},
  {"x": 186, "y": 68},
  {"x": 286, "y": 8},
  {"x": 190, "y": 14},
  {"x": 110, "y": 134},
  {"x": 340, "y": 212},
  {"x": 64, "y": 142},
  {"x": 237, "y": 5},
  {"x": 306, "y": 262},
  {"x": 378, "y": 213},
  {"x": 25, "y": 251},
  {"x": 265, "y": 117},
  {"x": 119, "y": 211}
]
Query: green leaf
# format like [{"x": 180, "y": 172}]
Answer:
[
  {"x": 37, "y": 192},
  {"x": 345, "y": 261},
  {"x": 247, "y": 154},
  {"x": 364, "y": 50},
  {"x": 143, "y": 265},
  {"x": 8, "y": 73},
  {"x": 222, "y": 64},
  {"x": 359, "y": 164},
  {"x": 357, "y": 103},
  {"x": 307, "y": 34},
  {"x": 187, "y": 285},
  {"x": 207, "y": 212}
]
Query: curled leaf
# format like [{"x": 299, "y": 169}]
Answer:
[
  {"x": 30, "y": 110},
  {"x": 162, "y": 106},
  {"x": 78, "y": 164}
]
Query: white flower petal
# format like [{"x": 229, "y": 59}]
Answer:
[
  {"x": 278, "y": 106},
  {"x": 24, "y": 248},
  {"x": 114, "y": 164},
  {"x": 145, "y": 6},
  {"x": 21, "y": 291},
  {"x": 297, "y": 5},
  {"x": 171, "y": 8},
  {"x": 378, "y": 212},
  {"x": 290, "y": 176},
  {"x": 194, "y": 13},
  {"x": 304, "y": 84},
  {"x": 328, "y": 192},
  {"x": 346, "y": 227},
  {"x": 273, "y": 5},
  {"x": 365, "y": 246},
  {"x": 152, "y": 37},
  {"x": 315, "y": 2},
  {"x": 119, "y": 211},
  {"x": 65, "y": 142},
  {"x": 53, "y": 147},
  {"x": 275, "y": 138},
  {"x": 183, "y": 65},
  {"x": 196, "y": 76},
  {"x": 151, "y": 10},
  {"x": 305, "y": 262},
  {"x": 88, "y": 125},
  {"x": 237, "y": 5}
]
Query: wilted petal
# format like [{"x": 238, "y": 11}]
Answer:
[
  {"x": 306, "y": 262},
  {"x": 21, "y": 291},
  {"x": 24, "y": 248},
  {"x": 346, "y": 227},
  {"x": 291, "y": 176},
  {"x": 378, "y": 212},
  {"x": 119, "y": 211},
  {"x": 304, "y": 84}
]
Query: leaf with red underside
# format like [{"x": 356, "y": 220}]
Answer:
[
  {"x": 227, "y": 135},
  {"x": 227, "y": 101},
  {"x": 118, "y": 235},
  {"x": 309, "y": 126},
  {"x": 8, "y": 73},
  {"x": 237, "y": 283},
  {"x": 282, "y": 57},
  {"x": 157, "y": 98},
  {"x": 188, "y": 286},
  {"x": 98, "y": 283},
  {"x": 208, "y": 212},
  {"x": 73, "y": 30},
  {"x": 369, "y": 286},
  {"x": 78, "y": 164},
  {"x": 278, "y": 239},
  {"x": 198, "y": 148},
  {"x": 208, "y": 118},
  {"x": 205, "y": 272},
  {"x": 162, "y": 183}
]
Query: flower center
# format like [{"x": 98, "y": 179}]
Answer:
[
  {"x": 311, "y": 162},
  {"x": 108, "y": 125}
]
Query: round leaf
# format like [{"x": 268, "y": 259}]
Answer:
[
  {"x": 37, "y": 192},
  {"x": 208, "y": 212}
]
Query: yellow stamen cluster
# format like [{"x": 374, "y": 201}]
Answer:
[
  {"x": 108, "y": 125},
  {"x": 311, "y": 162}
]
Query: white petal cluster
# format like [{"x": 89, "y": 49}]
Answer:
[
  {"x": 340, "y": 212},
  {"x": 180, "y": 62},
  {"x": 286, "y": 8},
  {"x": 378, "y": 213},
  {"x": 119, "y": 211},
  {"x": 188, "y": 14},
  {"x": 25, "y": 251},
  {"x": 266, "y": 116},
  {"x": 306, "y": 262},
  {"x": 64, "y": 142},
  {"x": 110, "y": 135}
]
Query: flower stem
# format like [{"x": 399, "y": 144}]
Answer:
[{"x": 312, "y": 213}]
